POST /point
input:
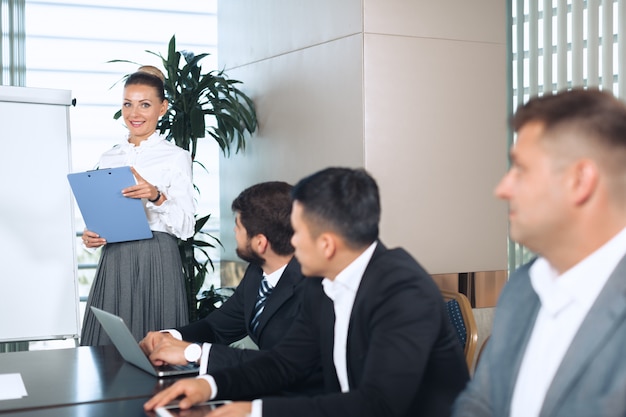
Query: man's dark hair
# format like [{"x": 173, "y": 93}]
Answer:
[
  {"x": 596, "y": 115},
  {"x": 342, "y": 200},
  {"x": 265, "y": 209}
]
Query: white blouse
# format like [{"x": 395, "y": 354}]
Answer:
[{"x": 168, "y": 167}]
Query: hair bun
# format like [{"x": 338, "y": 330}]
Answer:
[{"x": 154, "y": 71}]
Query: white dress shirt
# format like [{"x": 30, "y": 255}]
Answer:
[
  {"x": 167, "y": 167},
  {"x": 565, "y": 302},
  {"x": 273, "y": 278},
  {"x": 342, "y": 291}
]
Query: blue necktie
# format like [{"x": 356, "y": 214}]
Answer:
[{"x": 264, "y": 291}]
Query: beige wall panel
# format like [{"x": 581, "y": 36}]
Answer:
[
  {"x": 480, "y": 21},
  {"x": 435, "y": 135},
  {"x": 447, "y": 282},
  {"x": 310, "y": 112},
  {"x": 253, "y": 30}
]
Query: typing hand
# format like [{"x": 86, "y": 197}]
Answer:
[
  {"x": 152, "y": 339},
  {"x": 193, "y": 390},
  {"x": 169, "y": 350}
]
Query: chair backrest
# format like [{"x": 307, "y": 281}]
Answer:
[{"x": 462, "y": 319}]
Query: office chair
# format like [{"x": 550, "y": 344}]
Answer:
[{"x": 462, "y": 318}]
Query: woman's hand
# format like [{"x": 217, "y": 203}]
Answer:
[
  {"x": 143, "y": 189},
  {"x": 92, "y": 239}
]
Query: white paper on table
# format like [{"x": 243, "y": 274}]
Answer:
[{"x": 12, "y": 387}]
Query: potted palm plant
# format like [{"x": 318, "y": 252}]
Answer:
[{"x": 193, "y": 96}]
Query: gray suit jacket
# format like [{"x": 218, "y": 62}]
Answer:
[{"x": 591, "y": 380}]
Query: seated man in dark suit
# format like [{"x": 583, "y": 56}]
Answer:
[
  {"x": 263, "y": 233},
  {"x": 376, "y": 324}
]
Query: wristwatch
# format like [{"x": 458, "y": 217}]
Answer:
[
  {"x": 193, "y": 352},
  {"x": 157, "y": 198}
]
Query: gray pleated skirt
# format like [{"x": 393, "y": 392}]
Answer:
[{"x": 142, "y": 282}]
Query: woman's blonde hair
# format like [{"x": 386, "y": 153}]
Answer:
[{"x": 152, "y": 70}]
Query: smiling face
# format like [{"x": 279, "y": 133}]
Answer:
[
  {"x": 535, "y": 188},
  {"x": 141, "y": 111}
]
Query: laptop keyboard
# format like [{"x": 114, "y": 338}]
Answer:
[{"x": 180, "y": 367}]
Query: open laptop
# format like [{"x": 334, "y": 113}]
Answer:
[{"x": 128, "y": 347}]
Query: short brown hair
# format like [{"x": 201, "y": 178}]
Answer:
[
  {"x": 593, "y": 119},
  {"x": 598, "y": 115},
  {"x": 265, "y": 208}
]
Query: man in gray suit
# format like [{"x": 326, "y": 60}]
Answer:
[{"x": 559, "y": 335}]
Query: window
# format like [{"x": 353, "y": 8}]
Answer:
[
  {"x": 560, "y": 44},
  {"x": 12, "y": 42}
]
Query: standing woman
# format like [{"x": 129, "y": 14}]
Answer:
[{"x": 142, "y": 281}]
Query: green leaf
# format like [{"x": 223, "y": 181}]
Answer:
[{"x": 198, "y": 126}]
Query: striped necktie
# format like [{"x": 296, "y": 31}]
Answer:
[{"x": 264, "y": 291}]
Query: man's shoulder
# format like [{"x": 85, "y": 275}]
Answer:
[
  {"x": 293, "y": 271},
  {"x": 252, "y": 270},
  {"x": 395, "y": 259},
  {"x": 253, "y": 274},
  {"x": 392, "y": 270}
]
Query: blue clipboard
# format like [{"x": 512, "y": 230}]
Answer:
[{"x": 104, "y": 209}]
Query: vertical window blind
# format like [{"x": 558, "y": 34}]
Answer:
[
  {"x": 12, "y": 66},
  {"x": 560, "y": 44}
]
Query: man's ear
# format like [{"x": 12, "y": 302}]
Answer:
[
  {"x": 327, "y": 242},
  {"x": 584, "y": 180},
  {"x": 260, "y": 243}
]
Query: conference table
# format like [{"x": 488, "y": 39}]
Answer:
[{"x": 83, "y": 381}]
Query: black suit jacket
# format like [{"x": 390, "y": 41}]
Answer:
[
  {"x": 231, "y": 321},
  {"x": 403, "y": 358}
]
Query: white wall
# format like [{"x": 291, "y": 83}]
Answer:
[{"x": 413, "y": 91}]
